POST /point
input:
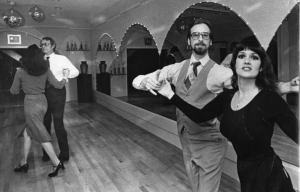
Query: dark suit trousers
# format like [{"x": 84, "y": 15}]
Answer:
[{"x": 56, "y": 99}]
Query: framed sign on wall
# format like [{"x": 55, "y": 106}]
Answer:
[{"x": 14, "y": 39}]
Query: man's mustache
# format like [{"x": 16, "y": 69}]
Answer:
[{"x": 201, "y": 43}]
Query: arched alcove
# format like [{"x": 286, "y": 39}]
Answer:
[
  {"x": 139, "y": 55},
  {"x": 227, "y": 27},
  {"x": 105, "y": 64},
  {"x": 106, "y": 51}
]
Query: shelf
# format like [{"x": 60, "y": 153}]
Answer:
[
  {"x": 117, "y": 74},
  {"x": 76, "y": 50}
]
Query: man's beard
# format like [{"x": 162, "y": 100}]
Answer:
[{"x": 200, "y": 50}]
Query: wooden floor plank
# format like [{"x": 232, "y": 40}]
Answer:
[{"x": 108, "y": 154}]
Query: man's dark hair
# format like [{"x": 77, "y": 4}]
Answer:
[
  {"x": 197, "y": 22},
  {"x": 33, "y": 61},
  {"x": 52, "y": 42}
]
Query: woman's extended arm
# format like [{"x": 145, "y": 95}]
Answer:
[
  {"x": 281, "y": 113},
  {"x": 211, "y": 110},
  {"x": 16, "y": 86}
]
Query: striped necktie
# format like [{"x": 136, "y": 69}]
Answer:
[
  {"x": 195, "y": 65},
  {"x": 187, "y": 81}
]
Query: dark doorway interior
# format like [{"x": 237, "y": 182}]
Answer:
[
  {"x": 9, "y": 62},
  {"x": 141, "y": 62}
]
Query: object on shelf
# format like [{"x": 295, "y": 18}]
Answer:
[
  {"x": 84, "y": 67},
  {"x": 75, "y": 46},
  {"x": 102, "y": 66},
  {"x": 71, "y": 46},
  {"x": 68, "y": 46},
  {"x": 104, "y": 46},
  {"x": 81, "y": 46},
  {"x": 99, "y": 46}
]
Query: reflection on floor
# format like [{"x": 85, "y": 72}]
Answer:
[
  {"x": 284, "y": 146},
  {"x": 156, "y": 104}
]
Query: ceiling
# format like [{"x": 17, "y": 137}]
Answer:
[
  {"x": 90, "y": 13},
  {"x": 73, "y": 13}
]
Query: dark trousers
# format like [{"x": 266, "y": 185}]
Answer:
[{"x": 56, "y": 99}]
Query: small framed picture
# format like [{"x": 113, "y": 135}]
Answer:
[
  {"x": 14, "y": 39},
  {"x": 148, "y": 41}
]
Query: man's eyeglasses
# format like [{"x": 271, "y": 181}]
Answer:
[
  {"x": 196, "y": 35},
  {"x": 45, "y": 44}
]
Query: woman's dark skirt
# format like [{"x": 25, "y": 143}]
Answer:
[
  {"x": 35, "y": 107},
  {"x": 265, "y": 174}
]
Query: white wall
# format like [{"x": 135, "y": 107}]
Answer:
[{"x": 61, "y": 36}]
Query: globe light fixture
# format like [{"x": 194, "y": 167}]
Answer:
[
  {"x": 12, "y": 17},
  {"x": 37, "y": 14}
]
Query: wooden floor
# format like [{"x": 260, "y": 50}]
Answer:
[{"x": 108, "y": 154}]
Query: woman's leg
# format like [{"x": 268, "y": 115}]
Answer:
[
  {"x": 26, "y": 147},
  {"x": 48, "y": 147}
]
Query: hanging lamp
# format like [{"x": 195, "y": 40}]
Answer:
[
  {"x": 12, "y": 17},
  {"x": 37, "y": 14}
]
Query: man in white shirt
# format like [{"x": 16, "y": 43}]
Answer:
[
  {"x": 198, "y": 80},
  {"x": 56, "y": 98}
]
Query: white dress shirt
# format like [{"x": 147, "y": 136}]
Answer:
[
  {"x": 58, "y": 63},
  {"x": 219, "y": 77}
]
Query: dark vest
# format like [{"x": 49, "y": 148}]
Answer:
[{"x": 197, "y": 95}]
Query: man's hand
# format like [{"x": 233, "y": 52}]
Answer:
[
  {"x": 288, "y": 87},
  {"x": 295, "y": 84},
  {"x": 151, "y": 84},
  {"x": 166, "y": 89}
]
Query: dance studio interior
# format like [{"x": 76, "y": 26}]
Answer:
[{"x": 122, "y": 139}]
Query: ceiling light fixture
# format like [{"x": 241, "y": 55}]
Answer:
[
  {"x": 56, "y": 11},
  {"x": 37, "y": 14},
  {"x": 12, "y": 17}
]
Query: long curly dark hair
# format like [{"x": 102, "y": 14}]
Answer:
[
  {"x": 33, "y": 61},
  {"x": 266, "y": 78}
]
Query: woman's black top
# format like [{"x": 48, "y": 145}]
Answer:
[{"x": 250, "y": 130}]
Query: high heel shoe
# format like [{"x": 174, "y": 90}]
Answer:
[
  {"x": 22, "y": 168},
  {"x": 59, "y": 166}
]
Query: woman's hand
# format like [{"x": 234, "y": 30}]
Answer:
[
  {"x": 66, "y": 73},
  {"x": 166, "y": 89}
]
